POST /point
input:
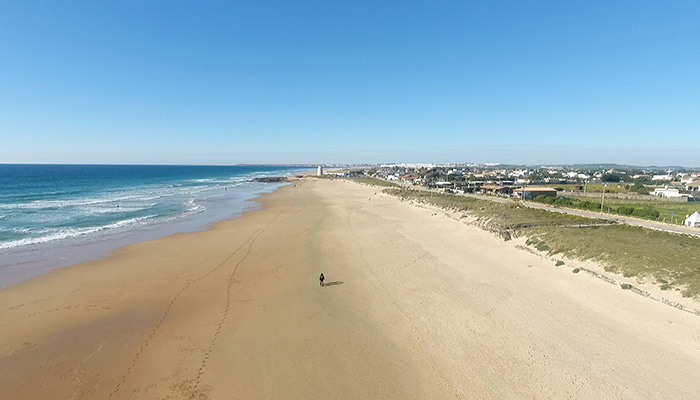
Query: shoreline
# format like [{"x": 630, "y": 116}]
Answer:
[
  {"x": 420, "y": 306},
  {"x": 37, "y": 260}
]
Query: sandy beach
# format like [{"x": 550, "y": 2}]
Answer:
[{"x": 417, "y": 305}]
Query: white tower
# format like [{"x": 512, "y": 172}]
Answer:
[{"x": 319, "y": 171}]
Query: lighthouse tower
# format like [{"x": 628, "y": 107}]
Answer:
[{"x": 319, "y": 171}]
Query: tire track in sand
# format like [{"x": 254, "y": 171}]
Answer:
[
  {"x": 200, "y": 372},
  {"x": 168, "y": 308}
]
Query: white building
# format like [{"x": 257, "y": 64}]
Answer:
[
  {"x": 693, "y": 220},
  {"x": 666, "y": 192},
  {"x": 522, "y": 173},
  {"x": 686, "y": 178},
  {"x": 693, "y": 186}
]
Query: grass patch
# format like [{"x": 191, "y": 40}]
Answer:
[
  {"x": 538, "y": 244},
  {"x": 507, "y": 215},
  {"x": 576, "y": 270},
  {"x": 666, "y": 286},
  {"x": 631, "y": 251},
  {"x": 559, "y": 263},
  {"x": 664, "y": 208},
  {"x": 667, "y": 258},
  {"x": 368, "y": 180}
]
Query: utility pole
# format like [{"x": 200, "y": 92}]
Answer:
[{"x": 602, "y": 198}]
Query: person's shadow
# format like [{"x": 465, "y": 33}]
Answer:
[{"x": 334, "y": 283}]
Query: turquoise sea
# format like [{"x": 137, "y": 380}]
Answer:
[{"x": 56, "y": 215}]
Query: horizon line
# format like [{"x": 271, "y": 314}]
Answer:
[{"x": 312, "y": 165}]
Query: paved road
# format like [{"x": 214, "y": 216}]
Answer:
[
  {"x": 590, "y": 214},
  {"x": 629, "y": 221}
]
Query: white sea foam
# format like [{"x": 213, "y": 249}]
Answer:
[
  {"x": 52, "y": 234},
  {"x": 42, "y": 204},
  {"x": 111, "y": 210},
  {"x": 32, "y": 230},
  {"x": 132, "y": 196},
  {"x": 169, "y": 202},
  {"x": 67, "y": 233}
]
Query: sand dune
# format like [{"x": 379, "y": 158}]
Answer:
[{"x": 418, "y": 306}]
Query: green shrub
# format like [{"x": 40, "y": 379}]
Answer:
[
  {"x": 559, "y": 263},
  {"x": 376, "y": 182},
  {"x": 544, "y": 199},
  {"x": 588, "y": 205},
  {"x": 625, "y": 210},
  {"x": 646, "y": 212},
  {"x": 633, "y": 251},
  {"x": 626, "y": 286},
  {"x": 576, "y": 270}
]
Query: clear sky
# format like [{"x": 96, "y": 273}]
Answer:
[{"x": 348, "y": 82}]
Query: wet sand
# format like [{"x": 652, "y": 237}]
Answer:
[{"x": 417, "y": 305}]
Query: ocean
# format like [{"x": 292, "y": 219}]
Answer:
[{"x": 57, "y": 215}]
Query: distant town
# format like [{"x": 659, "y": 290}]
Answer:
[
  {"x": 670, "y": 195},
  {"x": 680, "y": 185}
]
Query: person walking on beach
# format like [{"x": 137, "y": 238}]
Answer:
[{"x": 321, "y": 279}]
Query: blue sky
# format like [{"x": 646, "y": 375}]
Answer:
[{"x": 349, "y": 82}]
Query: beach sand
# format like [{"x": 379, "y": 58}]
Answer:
[{"x": 417, "y": 305}]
